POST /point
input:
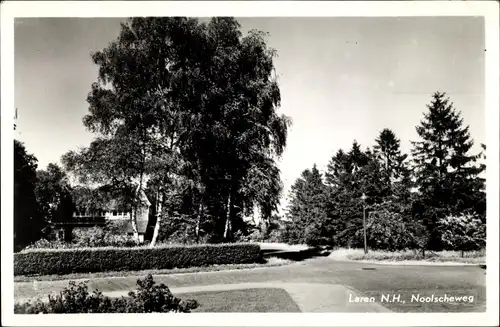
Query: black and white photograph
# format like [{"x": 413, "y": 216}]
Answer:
[{"x": 171, "y": 161}]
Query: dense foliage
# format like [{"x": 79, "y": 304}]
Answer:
[
  {"x": 28, "y": 220},
  {"x": 307, "y": 215},
  {"x": 190, "y": 110},
  {"x": 54, "y": 194},
  {"x": 148, "y": 298},
  {"x": 66, "y": 261},
  {"x": 447, "y": 175},
  {"x": 433, "y": 200},
  {"x": 112, "y": 234},
  {"x": 463, "y": 233},
  {"x": 101, "y": 236}
]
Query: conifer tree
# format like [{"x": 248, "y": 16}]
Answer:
[
  {"x": 307, "y": 216},
  {"x": 446, "y": 173},
  {"x": 394, "y": 168},
  {"x": 349, "y": 176},
  {"x": 387, "y": 150}
]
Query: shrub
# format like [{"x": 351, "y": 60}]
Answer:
[
  {"x": 99, "y": 237},
  {"x": 418, "y": 236},
  {"x": 254, "y": 236},
  {"x": 77, "y": 299},
  {"x": 387, "y": 231},
  {"x": 391, "y": 231},
  {"x": 88, "y": 237},
  {"x": 313, "y": 235},
  {"x": 66, "y": 261},
  {"x": 463, "y": 233},
  {"x": 275, "y": 236},
  {"x": 46, "y": 244}
]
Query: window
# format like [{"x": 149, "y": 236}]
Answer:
[{"x": 114, "y": 213}]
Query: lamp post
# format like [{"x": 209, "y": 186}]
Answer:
[{"x": 363, "y": 197}]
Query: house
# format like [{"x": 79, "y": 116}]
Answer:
[{"x": 109, "y": 214}]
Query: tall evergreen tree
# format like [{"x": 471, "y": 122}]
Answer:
[
  {"x": 349, "y": 176},
  {"x": 306, "y": 212},
  {"x": 338, "y": 168},
  {"x": 394, "y": 168},
  {"x": 446, "y": 173},
  {"x": 387, "y": 150}
]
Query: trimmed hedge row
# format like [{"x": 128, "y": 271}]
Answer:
[{"x": 66, "y": 261}]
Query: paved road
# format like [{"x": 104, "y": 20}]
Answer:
[
  {"x": 407, "y": 281},
  {"x": 310, "y": 297}
]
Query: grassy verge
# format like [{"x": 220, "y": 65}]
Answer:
[
  {"x": 247, "y": 300},
  {"x": 471, "y": 257},
  {"x": 270, "y": 262}
]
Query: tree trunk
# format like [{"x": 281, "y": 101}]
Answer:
[
  {"x": 141, "y": 177},
  {"x": 133, "y": 218},
  {"x": 198, "y": 221},
  {"x": 158, "y": 218},
  {"x": 227, "y": 227}
]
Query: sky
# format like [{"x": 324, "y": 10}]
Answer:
[{"x": 341, "y": 79}]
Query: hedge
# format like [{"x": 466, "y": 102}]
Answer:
[{"x": 66, "y": 261}]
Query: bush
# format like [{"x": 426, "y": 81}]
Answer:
[
  {"x": 387, "y": 231},
  {"x": 177, "y": 228},
  {"x": 89, "y": 237},
  {"x": 463, "y": 233},
  {"x": 76, "y": 299},
  {"x": 274, "y": 236},
  {"x": 99, "y": 237},
  {"x": 66, "y": 261},
  {"x": 46, "y": 244},
  {"x": 391, "y": 231},
  {"x": 254, "y": 236}
]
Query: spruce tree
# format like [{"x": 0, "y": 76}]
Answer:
[
  {"x": 387, "y": 150},
  {"x": 446, "y": 173},
  {"x": 338, "y": 167},
  {"x": 349, "y": 176},
  {"x": 306, "y": 213},
  {"x": 394, "y": 168}
]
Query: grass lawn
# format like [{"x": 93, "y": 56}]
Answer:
[
  {"x": 471, "y": 257},
  {"x": 270, "y": 262},
  {"x": 247, "y": 300}
]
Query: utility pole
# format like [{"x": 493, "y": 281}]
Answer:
[{"x": 363, "y": 197}]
